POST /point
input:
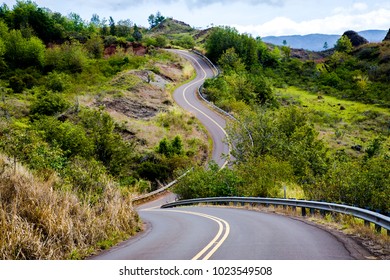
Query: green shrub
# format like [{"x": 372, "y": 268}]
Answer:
[
  {"x": 48, "y": 103},
  {"x": 170, "y": 148},
  {"x": 57, "y": 82}
]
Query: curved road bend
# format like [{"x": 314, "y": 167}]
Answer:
[
  {"x": 220, "y": 233},
  {"x": 202, "y": 233},
  {"x": 186, "y": 96}
]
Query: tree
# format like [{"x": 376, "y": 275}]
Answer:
[
  {"x": 151, "y": 20},
  {"x": 123, "y": 28},
  {"x": 155, "y": 20},
  {"x": 325, "y": 47},
  {"x": 286, "y": 52},
  {"x": 95, "y": 20},
  {"x": 230, "y": 61},
  {"x": 95, "y": 46},
  {"x": 137, "y": 33},
  {"x": 344, "y": 45},
  {"x": 21, "y": 52},
  {"x": 112, "y": 26},
  {"x": 77, "y": 24}
]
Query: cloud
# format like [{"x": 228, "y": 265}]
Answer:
[
  {"x": 360, "y": 6},
  {"x": 335, "y": 24},
  {"x": 192, "y": 3},
  {"x": 355, "y": 8}
]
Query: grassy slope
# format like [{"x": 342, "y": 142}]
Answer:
[
  {"x": 341, "y": 123},
  {"x": 129, "y": 92}
]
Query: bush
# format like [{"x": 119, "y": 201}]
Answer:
[
  {"x": 71, "y": 138},
  {"x": 48, "y": 103},
  {"x": 70, "y": 57},
  {"x": 57, "y": 82},
  {"x": 170, "y": 148},
  {"x": 210, "y": 182}
]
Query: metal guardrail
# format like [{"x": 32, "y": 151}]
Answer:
[
  {"x": 160, "y": 190},
  {"x": 200, "y": 93},
  {"x": 380, "y": 221}
]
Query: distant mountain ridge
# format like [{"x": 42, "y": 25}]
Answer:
[{"x": 316, "y": 42}]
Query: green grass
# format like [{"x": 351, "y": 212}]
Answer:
[{"x": 341, "y": 123}]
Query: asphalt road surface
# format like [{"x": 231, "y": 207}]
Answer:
[{"x": 214, "y": 233}]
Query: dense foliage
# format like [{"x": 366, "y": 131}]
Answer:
[{"x": 46, "y": 59}]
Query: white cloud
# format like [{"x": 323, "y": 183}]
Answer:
[
  {"x": 360, "y": 6},
  {"x": 335, "y": 24}
]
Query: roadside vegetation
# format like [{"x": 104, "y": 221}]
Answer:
[{"x": 87, "y": 123}]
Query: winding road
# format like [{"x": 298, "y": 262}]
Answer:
[{"x": 215, "y": 233}]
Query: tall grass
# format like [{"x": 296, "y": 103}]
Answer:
[{"x": 39, "y": 222}]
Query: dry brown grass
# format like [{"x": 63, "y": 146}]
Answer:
[{"x": 39, "y": 222}]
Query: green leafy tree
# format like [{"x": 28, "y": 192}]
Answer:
[
  {"x": 155, "y": 20},
  {"x": 123, "y": 28},
  {"x": 75, "y": 23},
  {"x": 21, "y": 52},
  {"x": 71, "y": 138},
  {"x": 111, "y": 22},
  {"x": 224, "y": 38},
  {"x": 230, "y": 61},
  {"x": 344, "y": 45},
  {"x": 95, "y": 20}
]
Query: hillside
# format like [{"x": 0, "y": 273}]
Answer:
[
  {"x": 172, "y": 26},
  {"x": 86, "y": 118},
  {"x": 315, "y": 42}
]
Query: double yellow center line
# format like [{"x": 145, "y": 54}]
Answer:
[{"x": 216, "y": 242}]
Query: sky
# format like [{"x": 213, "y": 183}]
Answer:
[{"x": 256, "y": 17}]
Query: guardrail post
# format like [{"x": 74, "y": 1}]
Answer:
[
  {"x": 303, "y": 211},
  {"x": 366, "y": 223},
  {"x": 378, "y": 228},
  {"x": 312, "y": 211}
]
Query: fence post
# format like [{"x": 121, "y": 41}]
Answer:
[{"x": 303, "y": 211}]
